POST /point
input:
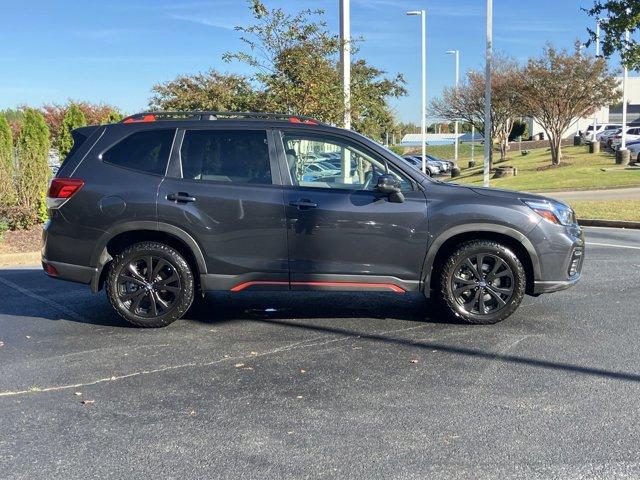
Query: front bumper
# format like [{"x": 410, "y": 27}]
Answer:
[
  {"x": 561, "y": 256},
  {"x": 541, "y": 286}
]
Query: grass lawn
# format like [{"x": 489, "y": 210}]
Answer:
[
  {"x": 608, "y": 209},
  {"x": 579, "y": 170}
]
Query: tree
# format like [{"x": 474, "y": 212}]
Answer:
[
  {"x": 14, "y": 118},
  {"x": 73, "y": 118},
  {"x": 7, "y": 188},
  {"x": 295, "y": 63},
  {"x": 466, "y": 102},
  {"x": 33, "y": 152},
  {"x": 559, "y": 87},
  {"x": 94, "y": 114},
  {"x": 616, "y": 17},
  {"x": 114, "y": 116},
  {"x": 210, "y": 90}
]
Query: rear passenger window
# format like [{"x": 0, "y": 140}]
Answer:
[
  {"x": 239, "y": 156},
  {"x": 146, "y": 151}
]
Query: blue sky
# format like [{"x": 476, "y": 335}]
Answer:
[{"x": 115, "y": 50}]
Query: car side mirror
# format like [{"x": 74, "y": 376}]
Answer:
[{"x": 390, "y": 185}]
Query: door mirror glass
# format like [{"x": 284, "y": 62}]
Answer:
[{"x": 390, "y": 185}]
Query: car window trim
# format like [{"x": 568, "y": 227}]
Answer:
[
  {"x": 176, "y": 171},
  {"x": 288, "y": 181},
  {"x": 112, "y": 144}
]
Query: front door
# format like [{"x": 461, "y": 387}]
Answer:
[
  {"x": 342, "y": 234},
  {"x": 222, "y": 188}
]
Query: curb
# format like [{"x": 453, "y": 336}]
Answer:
[
  {"x": 595, "y": 222},
  {"x": 22, "y": 258}
]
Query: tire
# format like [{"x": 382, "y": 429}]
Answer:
[
  {"x": 131, "y": 286},
  {"x": 488, "y": 299}
]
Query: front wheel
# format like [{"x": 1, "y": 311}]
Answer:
[
  {"x": 482, "y": 282},
  {"x": 150, "y": 284}
]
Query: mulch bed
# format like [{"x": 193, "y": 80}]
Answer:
[{"x": 20, "y": 241}]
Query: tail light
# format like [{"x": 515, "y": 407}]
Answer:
[
  {"x": 61, "y": 190},
  {"x": 50, "y": 269}
]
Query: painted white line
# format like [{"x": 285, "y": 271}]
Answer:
[{"x": 613, "y": 245}]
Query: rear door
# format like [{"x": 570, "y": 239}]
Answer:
[{"x": 223, "y": 188}]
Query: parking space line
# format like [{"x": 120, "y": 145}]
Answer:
[
  {"x": 613, "y": 245},
  {"x": 53, "y": 304},
  {"x": 311, "y": 342}
]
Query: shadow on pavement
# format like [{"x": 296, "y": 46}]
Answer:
[
  {"x": 75, "y": 303},
  {"x": 467, "y": 352}
]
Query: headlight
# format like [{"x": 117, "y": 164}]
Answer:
[{"x": 551, "y": 211}]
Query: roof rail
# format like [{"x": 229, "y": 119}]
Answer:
[{"x": 200, "y": 115}]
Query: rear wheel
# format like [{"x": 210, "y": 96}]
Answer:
[
  {"x": 482, "y": 282},
  {"x": 150, "y": 285}
]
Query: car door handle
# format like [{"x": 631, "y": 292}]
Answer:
[
  {"x": 303, "y": 204},
  {"x": 181, "y": 197}
]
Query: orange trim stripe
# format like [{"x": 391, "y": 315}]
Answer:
[
  {"x": 388, "y": 286},
  {"x": 244, "y": 285}
]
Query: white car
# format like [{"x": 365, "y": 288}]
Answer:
[
  {"x": 605, "y": 136},
  {"x": 633, "y": 133},
  {"x": 608, "y": 130},
  {"x": 634, "y": 151},
  {"x": 600, "y": 128}
]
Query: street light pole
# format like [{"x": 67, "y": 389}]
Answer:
[
  {"x": 345, "y": 59},
  {"x": 487, "y": 93},
  {"x": 597, "y": 37},
  {"x": 623, "y": 140},
  {"x": 423, "y": 15},
  {"x": 457, "y": 79}
]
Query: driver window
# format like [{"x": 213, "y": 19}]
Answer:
[{"x": 327, "y": 162}]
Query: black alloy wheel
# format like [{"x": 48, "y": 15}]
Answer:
[
  {"x": 482, "y": 282},
  {"x": 150, "y": 285}
]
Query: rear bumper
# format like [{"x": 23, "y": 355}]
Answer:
[{"x": 68, "y": 271}]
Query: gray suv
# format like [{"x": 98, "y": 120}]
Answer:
[{"x": 165, "y": 206}]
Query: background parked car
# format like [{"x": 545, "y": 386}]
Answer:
[
  {"x": 590, "y": 133},
  {"x": 633, "y": 133},
  {"x": 605, "y": 136},
  {"x": 634, "y": 150},
  {"x": 416, "y": 162}
]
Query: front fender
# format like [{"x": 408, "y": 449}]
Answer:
[{"x": 440, "y": 240}]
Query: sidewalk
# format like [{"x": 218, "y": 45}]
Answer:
[{"x": 611, "y": 194}]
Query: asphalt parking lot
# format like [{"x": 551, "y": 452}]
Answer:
[{"x": 325, "y": 385}]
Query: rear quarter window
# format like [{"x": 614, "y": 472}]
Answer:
[{"x": 146, "y": 151}]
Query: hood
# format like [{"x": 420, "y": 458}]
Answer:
[{"x": 513, "y": 194}]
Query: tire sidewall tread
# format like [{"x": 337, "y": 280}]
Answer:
[
  {"x": 182, "y": 269},
  {"x": 481, "y": 246}
]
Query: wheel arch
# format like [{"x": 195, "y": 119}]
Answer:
[
  {"x": 118, "y": 238},
  {"x": 446, "y": 242}
]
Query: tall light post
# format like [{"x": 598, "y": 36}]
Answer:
[
  {"x": 595, "y": 118},
  {"x": 597, "y": 37},
  {"x": 455, "y": 131},
  {"x": 487, "y": 93},
  {"x": 625, "y": 75},
  {"x": 345, "y": 59},
  {"x": 423, "y": 15}
]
